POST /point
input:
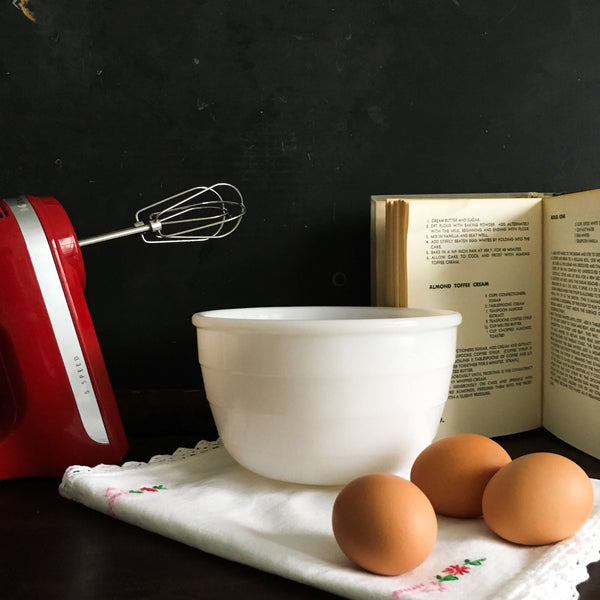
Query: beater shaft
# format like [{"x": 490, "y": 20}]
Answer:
[{"x": 112, "y": 235}]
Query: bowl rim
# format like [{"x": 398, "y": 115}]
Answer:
[{"x": 351, "y": 319}]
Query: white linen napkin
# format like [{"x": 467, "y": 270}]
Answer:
[{"x": 203, "y": 498}]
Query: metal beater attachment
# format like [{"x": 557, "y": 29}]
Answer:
[{"x": 195, "y": 215}]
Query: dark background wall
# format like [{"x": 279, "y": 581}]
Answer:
[{"x": 309, "y": 108}]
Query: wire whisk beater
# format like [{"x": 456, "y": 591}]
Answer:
[{"x": 195, "y": 215}]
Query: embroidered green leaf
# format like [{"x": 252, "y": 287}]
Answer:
[
  {"x": 477, "y": 562},
  {"x": 446, "y": 578},
  {"x": 159, "y": 487},
  {"x": 135, "y": 492}
]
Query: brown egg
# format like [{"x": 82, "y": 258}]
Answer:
[
  {"x": 454, "y": 471},
  {"x": 538, "y": 498},
  {"x": 384, "y": 523}
]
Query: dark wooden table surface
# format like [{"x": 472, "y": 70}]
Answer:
[{"x": 55, "y": 548}]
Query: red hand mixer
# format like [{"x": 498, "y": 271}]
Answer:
[{"x": 57, "y": 406}]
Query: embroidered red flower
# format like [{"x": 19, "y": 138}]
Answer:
[
  {"x": 453, "y": 573},
  {"x": 456, "y": 569}
]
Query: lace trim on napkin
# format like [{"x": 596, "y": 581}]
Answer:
[
  {"x": 563, "y": 567},
  {"x": 202, "y": 447}
]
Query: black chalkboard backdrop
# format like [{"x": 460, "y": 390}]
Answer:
[{"x": 307, "y": 107}]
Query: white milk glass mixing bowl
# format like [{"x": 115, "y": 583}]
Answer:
[{"x": 323, "y": 394}]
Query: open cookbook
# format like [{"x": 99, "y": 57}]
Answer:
[{"x": 524, "y": 271}]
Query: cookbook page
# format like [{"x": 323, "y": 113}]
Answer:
[
  {"x": 482, "y": 257},
  {"x": 571, "y": 406}
]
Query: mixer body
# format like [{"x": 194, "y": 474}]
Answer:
[{"x": 57, "y": 406}]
